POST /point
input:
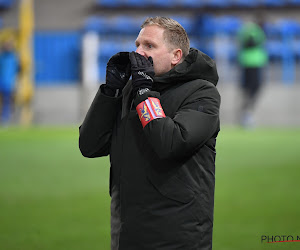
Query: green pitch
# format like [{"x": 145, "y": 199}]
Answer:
[{"x": 53, "y": 198}]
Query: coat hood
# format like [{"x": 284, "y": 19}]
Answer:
[{"x": 196, "y": 65}]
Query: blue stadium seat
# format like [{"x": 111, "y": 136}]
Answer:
[
  {"x": 293, "y": 2},
  {"x": 190, "y": 3},
  {"x": 57, "y": 57},
  {"x": 246, "y": 3},
  {"x": 273, "y": 3},
  {"x": 289, "y": 27},
  {"x": 275, "y": 49},
  {"x": 229, "y": 25},
  {"x": 194, "y": 42},
  {"x": 278, "y": 50},
  {"x": 137, "y": 3},
  {"x": 109, "y": 47},
  {"x": 296, "y": 49},
  {"x": 109, "y": 3},
  {"x": 281, "y": 46},
  {"x": 219, "y": 3},
  {"x": 271, "y": 29},
  {"x": 188, "y": 23},
  {"x": 162, "y": 3},
  {"x": 6, "y": 3},
  {"x": 125, "y": 25},
  {"x": 97, "y": 24},
  {"x": 129, "y": 45},
  {"x": 205, "y": 25}
]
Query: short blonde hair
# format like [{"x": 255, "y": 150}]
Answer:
[{"x": 174, "y": 34}]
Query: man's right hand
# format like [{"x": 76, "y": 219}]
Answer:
[{"x": 118, "y": 71}]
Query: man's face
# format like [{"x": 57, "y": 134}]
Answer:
[{"x": 150, "y": 42}]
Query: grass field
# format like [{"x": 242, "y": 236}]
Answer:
[{"x": 53, "y": 198}]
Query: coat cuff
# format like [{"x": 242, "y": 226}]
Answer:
[{"x": 143, "y": 97}]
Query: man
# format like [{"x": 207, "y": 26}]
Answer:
[
  {"x": 9, "y": 69},
  {"x": 160, "y": 131},
  {"x": 252, "y": 59}
]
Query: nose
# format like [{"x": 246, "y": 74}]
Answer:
[{"x": 140, "y": 50}]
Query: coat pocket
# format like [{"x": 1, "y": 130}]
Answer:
[{"x": 173, "y": 188}]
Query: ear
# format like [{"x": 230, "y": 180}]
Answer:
[{"x": 176, "y": 56}]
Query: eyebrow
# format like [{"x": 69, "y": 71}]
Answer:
[{"x": 145, "y": 41}]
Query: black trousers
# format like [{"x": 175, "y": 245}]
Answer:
[{"x": 251, "y": 81}]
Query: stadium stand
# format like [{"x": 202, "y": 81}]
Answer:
[
  {"x": 109, "y": 3},
  {"x": 124, "y": 24},
  {"x": 293, "y": 2},
  {"x": 190, "y": 3},
  {"x": 218, "y": 3},
  {"x": 6, "y": 3},
  {"x": 109, "y": 21},
  {"x": 58, "y": 41},
  {"x": 187, "y": 22},
  {"x": 136, "y": 3},
  {"x": 98, "y": 24},
  {"x": 283, "y": 46},
  {"x": 273, "y": 3},
  {"x": 163, "y": 4},
  {"x": 246, "y": 3},
  {"x": 193, "y": 3}
]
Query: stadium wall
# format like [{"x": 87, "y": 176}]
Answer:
[{"x": 278, "y": 105}]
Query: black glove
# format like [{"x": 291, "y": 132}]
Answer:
[
  {"x": 142, "y": 72},
  {"x": 117, "y": 73}
]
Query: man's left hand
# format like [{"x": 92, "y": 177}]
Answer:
[{"x": 142, "y": 71}]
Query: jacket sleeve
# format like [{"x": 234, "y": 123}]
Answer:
[
  {"x": 96, "y": 129},
  {"x": 196, "y": 121}
]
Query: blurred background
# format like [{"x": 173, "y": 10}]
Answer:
[
  {"x": 63, "y": 50},
  {"x": 52, "y": 60}
]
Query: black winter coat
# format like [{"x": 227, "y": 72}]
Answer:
[{"x": 165, "y": 172}]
